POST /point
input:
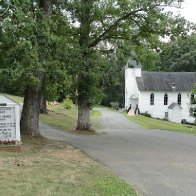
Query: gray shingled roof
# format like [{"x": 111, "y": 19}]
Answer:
[{"x": 162, "y": 81}]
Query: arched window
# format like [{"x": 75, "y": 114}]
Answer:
[
  {"x": 192, "y": 99},
  {"x": 151, "y": 99},
  {"x": 179, "y": 99},
  {"x": 165, "y": 99}
]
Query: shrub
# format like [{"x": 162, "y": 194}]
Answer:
[
  {"x": 67, "y": 103},
  {"x": 145, "y": 114},
  {"x": 193, "y": 111},
  {"x": 183, "y": 121},
  {"x": 114, "y": 105}
]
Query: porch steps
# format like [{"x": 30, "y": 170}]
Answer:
[{"x": 131, "y": 112}]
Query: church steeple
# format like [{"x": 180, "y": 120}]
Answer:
[{"x": 134, "y": 64}]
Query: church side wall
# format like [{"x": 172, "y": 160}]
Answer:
[{"x": 158, "y": 109}]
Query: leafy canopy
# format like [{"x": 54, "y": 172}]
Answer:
[
  {"x": 26, "y": 35},
  {"x": 179, "y": 54}
]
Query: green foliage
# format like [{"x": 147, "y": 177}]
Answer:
[
  {"x": 112, "y": 80},
  {"x": 193, "y": 103},
  {"x": 32, "y": 43},
  {"x": 149, "y": 58},
  {"x": 193, "y": 111},
  {"x": 67, "y": 103},
  {"x": 145, "y": 114},
  {"x": 179, "y": 54}
]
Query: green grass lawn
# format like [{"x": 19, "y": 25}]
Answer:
[
  {"x": 50, "y": 168},
  {"x": 66, "y": 119},
  {"x": 61, "y": 117},
  {"x": 152, "y": 123}
]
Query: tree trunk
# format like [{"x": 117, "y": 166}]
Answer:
[
  {"x": 83, "y": 122},
  {"x": 30, "y": 114},
  {"x": 46, "y": 6},
  {"x": 42, "y": 103},
  {"x": 29, "y": 123},
  {"x": 42, "y": 98}
]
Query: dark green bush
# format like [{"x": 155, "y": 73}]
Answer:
[{"x": 146, "y": 114}]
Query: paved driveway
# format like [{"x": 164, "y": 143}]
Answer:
[{"x": 157, "y": 163}]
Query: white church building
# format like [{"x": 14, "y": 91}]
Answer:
[{"x": 164, "y": 95}]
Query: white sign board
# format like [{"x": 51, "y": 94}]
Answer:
[
  {"x": 9, "y": 120},
  {"x": 7, "y": 123}
]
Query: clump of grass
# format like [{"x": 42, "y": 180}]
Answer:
[
  {"x": 152, "y": 123},
  {"x": 45, "y": 167}
]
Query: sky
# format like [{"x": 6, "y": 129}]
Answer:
[{"x": 189, "y": 10}]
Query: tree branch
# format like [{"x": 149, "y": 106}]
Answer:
[
  {"x": 8, "y": 7},
  {"x": 115, "y": 24},
  {"x": 100, "y": 37}
]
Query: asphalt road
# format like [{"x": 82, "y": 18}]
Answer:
[{"x": 157, "y": 163}]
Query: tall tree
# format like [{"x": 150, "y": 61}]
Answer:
[
  {"x": 29, "y": 39},
  {"x": 179, "y": 54},
  {"x": 31, "y": 107},
  {"x": 104, "y": 22}
]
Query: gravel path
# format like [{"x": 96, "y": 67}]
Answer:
[{"x": 157, "y": 163}]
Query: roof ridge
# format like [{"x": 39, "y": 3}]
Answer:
[{"x": 174, "y": 72}]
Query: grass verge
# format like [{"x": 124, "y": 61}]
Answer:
[
  {"x": 45, "y": 167},
  {"x": 60, "y": 117},
  {"x": 66, "y": 119},
  {"x": 152, "y": 123}
]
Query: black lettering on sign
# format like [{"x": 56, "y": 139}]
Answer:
[
  {"x": 3, "y": 104},
  {"x": 6, "y": 116}
]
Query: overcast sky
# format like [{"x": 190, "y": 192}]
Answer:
[{"x": 189, "y": 10}]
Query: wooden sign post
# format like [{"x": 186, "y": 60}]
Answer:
[{"x": 9, "y": 124}]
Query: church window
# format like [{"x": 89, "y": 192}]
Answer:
[
  {"x": 151, "y": 99},
  {"x": 179, "y": 99},
  {"x": 165, "y": 99}
]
